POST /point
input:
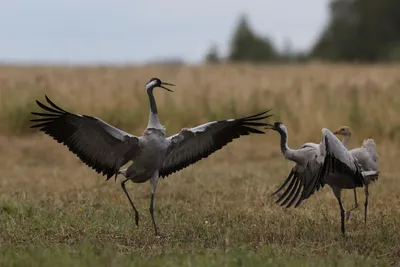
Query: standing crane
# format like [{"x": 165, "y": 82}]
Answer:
[
  {"x": 107, "y": 149},
  {"x": 328, "y": 162},
  {"x": 367, "y": 158}
]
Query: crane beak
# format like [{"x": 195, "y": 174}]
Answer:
[
  {"x": 270, "y": 126},
  {"x": 170, "y": 84}
]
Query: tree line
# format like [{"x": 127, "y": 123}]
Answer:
[{"x": 357, "y": 31}]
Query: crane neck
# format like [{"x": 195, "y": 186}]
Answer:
[
  {"x": 154, "y": 122},
  {"x": 152, "y": 100},
  {"x": 286, "y": 151},
  {"x": 346, "y": 140}
]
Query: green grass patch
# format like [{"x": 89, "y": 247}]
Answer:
[{"x": 92, "y": 255}]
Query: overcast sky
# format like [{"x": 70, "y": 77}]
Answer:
[{"x": 121, "y": 31}]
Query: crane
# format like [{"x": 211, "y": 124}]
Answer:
[
  {"x": 328, "y": 162},
  {"x": 367, "y": 158},
  {"x": 107, "y": 149}
]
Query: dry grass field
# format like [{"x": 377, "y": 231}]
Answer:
[{"x": 54, "y": 211}]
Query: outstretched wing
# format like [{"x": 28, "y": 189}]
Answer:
[
  {"x": 301, "y": 176},
  {"x": 191, "y": 145},
  {"x": 337, "y": 160},
  {"x": 99, "y": 145}
]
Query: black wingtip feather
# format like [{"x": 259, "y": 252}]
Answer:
[
  {"x": 44, "y": 114},
  {"x": 296, "y": 195},
  {"x": 287, "y": 191},
  {"x": 41, "y": 120},
  {"x": 258, "y": 114},
  {"x": 292, "y": 192},
  {"x": 247, "y": 130},
  {"x": 54, "y": 105},
  {"x": 255, "y": 124},
  {"x": 61, "y": 126},
  {"x": 288, "y": 179}
]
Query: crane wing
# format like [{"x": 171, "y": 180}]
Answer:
[
  {"x": 337, "y": 160},
  {"x": 301, "y": 176},
  {"x": 193, "y": 144},
  {"x": 99, "y": 145}
]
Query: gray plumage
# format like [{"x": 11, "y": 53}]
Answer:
[
  {"x": 368, "y": 159},
  {"x": 328, "y": 162},
  {"x": 107, "y": 149}
]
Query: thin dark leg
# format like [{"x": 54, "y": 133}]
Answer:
[
  {"x": 151, "y": 209},
  {"x": 153, "y": 182},
  {"x": 130, "y": 201},
  {"x": 354, "y": 207},
  {"x": 341, "y": 214},
  {"x": 366, "y": 205},
  {"x": 355, "y": 198}
]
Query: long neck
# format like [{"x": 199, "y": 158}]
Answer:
[
  {"x": 346, "y": 140},
  {"x": 286, "y": 151},
  {"x": 153, "y": 116}
]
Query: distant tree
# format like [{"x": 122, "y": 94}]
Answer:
[
  {"x": 247, "y": 46},
  {"x": 212, "y": 55},
  {"x": 362, "y": 30}
]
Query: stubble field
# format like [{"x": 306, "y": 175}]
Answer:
[{"x": 55, "y": 211}]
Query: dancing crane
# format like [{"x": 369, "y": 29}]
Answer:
[
  {"x": 107, "y": 149},
  {"x": 328, "y": 162}
]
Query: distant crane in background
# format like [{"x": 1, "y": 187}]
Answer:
[
  {"x": 107, "y": 149},
  {"x": 316, "y": 164}
]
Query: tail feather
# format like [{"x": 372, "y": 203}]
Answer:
[{"x": 370, "y": 176}]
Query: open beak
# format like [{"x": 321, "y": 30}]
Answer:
[
  {"x": 270, "y": 126},
  {"x": 170, "y": 84}
]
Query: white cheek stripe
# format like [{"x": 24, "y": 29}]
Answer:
[{"x": 150, "y": 84}]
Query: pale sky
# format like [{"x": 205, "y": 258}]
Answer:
[{"x": 133, "y": 31}]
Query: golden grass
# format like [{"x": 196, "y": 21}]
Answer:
[{"x": 49, "y": 199}]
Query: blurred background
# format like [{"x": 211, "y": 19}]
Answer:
[{"x": 177, "y": 31}]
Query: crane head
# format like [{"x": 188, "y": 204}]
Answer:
[
  {"x": 344, "y": 131},
  {"x": 277, "y": 126},
  {"x": 156, "y": 82}
]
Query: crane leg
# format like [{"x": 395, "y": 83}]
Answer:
[
  {"x": 366, "y": 204},
  {"x": 341, "y": 215},
  {"x": 130, "y": 201},
  {"x": 354, "y": 207},
  {"x": 338, "y": 194},
  {"x": 153, "y": 181}
]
